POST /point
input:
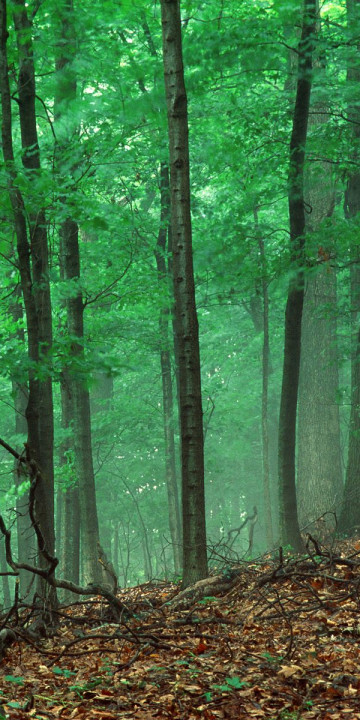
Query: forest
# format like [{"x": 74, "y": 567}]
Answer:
[{"x": 179, "y": 309}]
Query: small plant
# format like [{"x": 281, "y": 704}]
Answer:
[
  {"x": 16, "y": 680},
  {"x": 272, "y": 659},
  {"x": 229, "y": 685},
  {"x": 63, "y": 671},
  {"x": 86, "y": 687}
]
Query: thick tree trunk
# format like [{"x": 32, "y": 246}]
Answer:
[
  {"x": 319, "y": 457},
  {"x": 191, "y": 420},
  {"x": 349, "y": 520},
  {"x": 33, "y": 267},
  {"x": 39, "y": 411},
  {"x": 166, "y": 376},
  {"x": 288, "y": 407},
  {"x": 319, "y": 481}
]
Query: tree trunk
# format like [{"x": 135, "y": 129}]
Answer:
[
  {"x": 319, "y": 458},
  {"x": 79, "y": 398},
  {"x": 26, "y": 540},
  {"x": 167, "y": 388},
  {"x": 34, "y": 274},
  {"x": 5, "y": 578},
  {"x": 191, "y": 420},
  {"x": 319, "y": 482},
  {"x": 265, "y": 388},
  {"x": 349, "y": 520},
  {"x": 69, "y": 550},
  {"x": 39, "y": 411},
  {"x": 25, "y": 534},
  {"x": 288, "y": 406}
]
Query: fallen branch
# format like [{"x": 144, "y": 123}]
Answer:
[{"x": 33, "y": 470}]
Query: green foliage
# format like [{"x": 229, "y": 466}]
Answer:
[
  {"x": 86, "y": 687},
  {"x": 16, "y": 679},
  {"x": 230, "y": 684},
  {"x": 239, "y": 76},
  {"x": 63, "y": 671}
]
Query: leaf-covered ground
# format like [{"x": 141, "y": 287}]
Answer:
[{"x": 275, "y": 640}]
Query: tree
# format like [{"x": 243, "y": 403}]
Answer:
[
  {"x": 319, "y": 477},
  {"x": 74, "y": 380},
  {"x": 350, "y": 510},
  {"x": 102, "y": 127},
  {"x": 186, "y": 322},
  {"x": 265, "y": 386},
  {"x": 32, "y": 249},
  {"x": 165, "y": 361},
  {"x": 294, "y": 306}
]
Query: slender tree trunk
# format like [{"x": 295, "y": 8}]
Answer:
[
  {"x": 115, "y": 553},
  {"x": 79, "y": 398},
  {"x": 265, "y": 388},
  {"x": 34, "y": 273},
  {"x": 349, "y": 520},
  {"x": 164, "y": 271},
  {"x": 25, "y": 534},
  {"x": 26, "y": 539},
  {"x": 69, "y": 550},
  {"x": 80, "y": 409},
  {"x": 265, "y": 403},
  {"x": 5, "y": 578},
  {"x": 293, "y": 314},
  {"x": 167, "y": 389},
  {"x": 191, "y": 421}
]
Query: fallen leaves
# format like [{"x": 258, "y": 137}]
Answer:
[{"x": 286, "y": 647}]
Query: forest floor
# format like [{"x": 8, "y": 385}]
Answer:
[{"x": 270, "y": 639}]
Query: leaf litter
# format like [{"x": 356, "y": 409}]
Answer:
[{"x": 279, "y": 639}]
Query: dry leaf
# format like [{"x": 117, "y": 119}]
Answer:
[{"x": 289, "y": 670}]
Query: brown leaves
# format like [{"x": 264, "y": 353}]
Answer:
[{"x": 275, "y": 645}]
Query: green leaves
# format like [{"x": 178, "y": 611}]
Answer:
[
  {"x": 230, "y": 684},
  {"x": 65, "y": 672},
  {"x": 15, "y": 679}
]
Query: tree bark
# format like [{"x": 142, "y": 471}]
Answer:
[
  {"x": 79, "y": 397},
  {"x": 349, "y": 520},
  {"x": 32, "y": 251},
  {"x": 26, "y": 540},
  {"x": 319, "y": 481},
  {"x": 39, "y": 411},
  {"x": 319, "y": 457},
  {"x": 167, "y": 388},
  {"x": 292, "y": 347},
  {"x": 69, "y": 548},
  {"x": 265, "y": 388},
  {"x": 5, "y": 578},
  {"x": 187, "y": 332}
]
